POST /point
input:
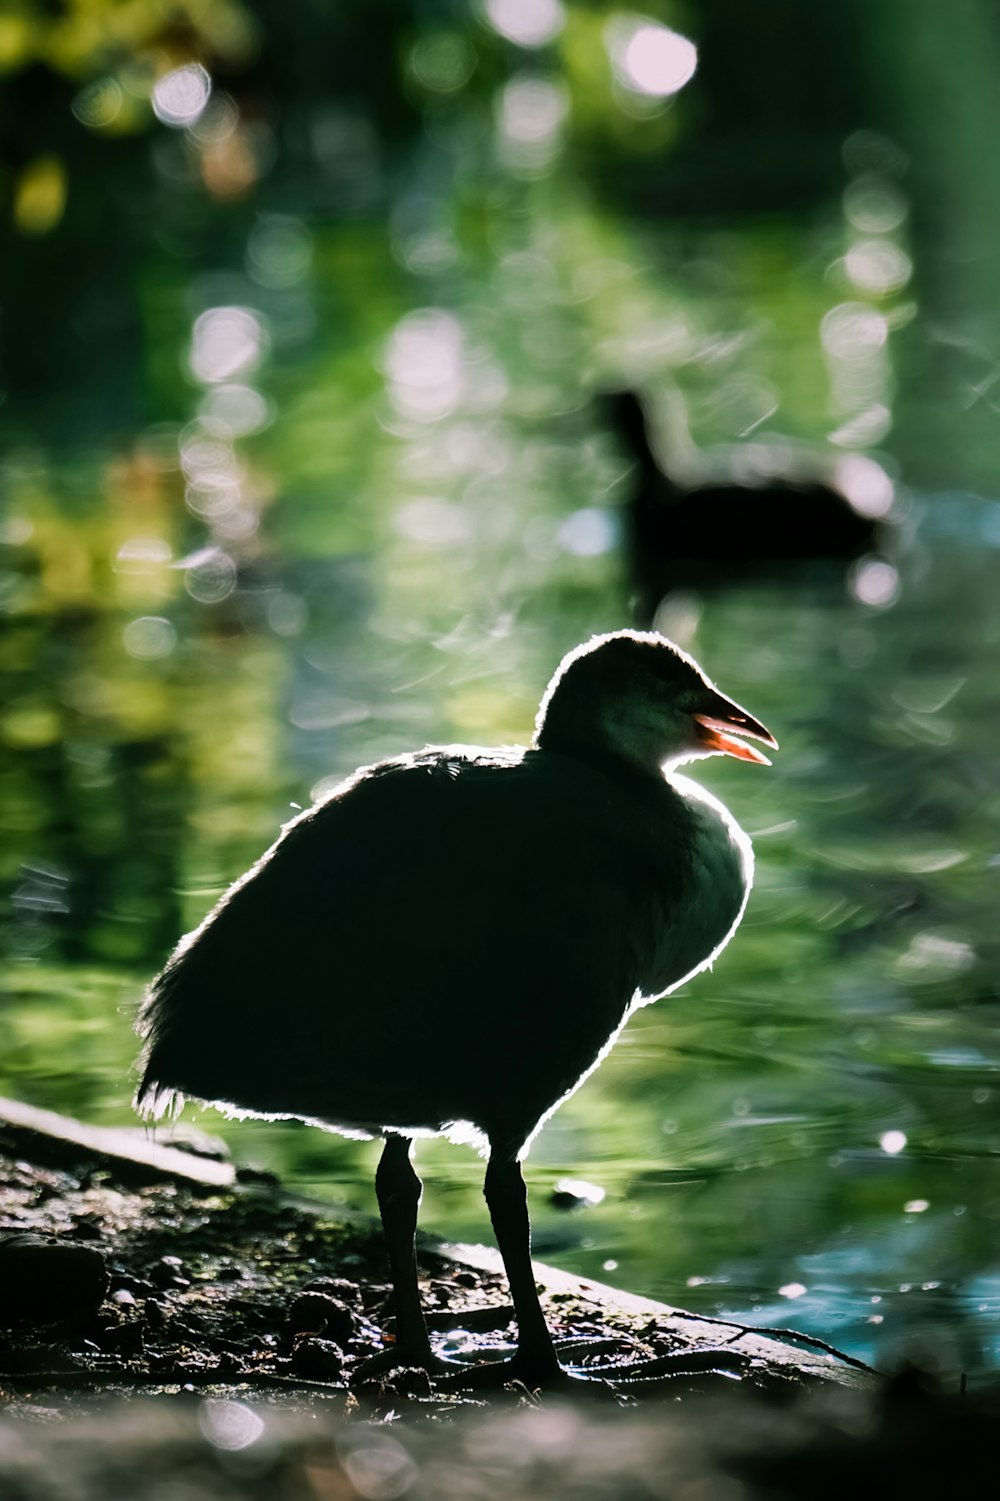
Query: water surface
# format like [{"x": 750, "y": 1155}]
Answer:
[{"x": 344, "y": 489}]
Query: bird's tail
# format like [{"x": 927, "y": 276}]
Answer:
[{"x": 155, "y": 1098}]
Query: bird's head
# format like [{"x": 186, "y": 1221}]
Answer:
[{"x": 635, "y": 695}]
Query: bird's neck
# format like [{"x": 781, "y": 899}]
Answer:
[{"x": 639, "y": 772}]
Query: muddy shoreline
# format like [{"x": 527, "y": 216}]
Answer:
[{"x": 131, "y": 1268}]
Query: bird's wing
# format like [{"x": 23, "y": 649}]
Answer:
[{"x": 439, "y": 922}]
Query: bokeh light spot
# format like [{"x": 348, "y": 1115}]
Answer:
[
  {"x": 379, "y": 1468},
  {"x": 590, "y": 1194},
  {"x": 588, "y": 532},
  {"x": 181, "y": 95},
  {"x": 226, "y": 341},
  {"x": 423, "y": 363},
  {"x": 529, "y": 23},
  {"x": 433, "y": 523},
  {"x": 867, "y": 152},
  {"x": 211, "y": 579},
  {"x": 878, "y": 266},
  {"x": 141, "y": 553},
  {"x": 279, "y": 253},
  {"x": 287, "y": 614},
  {"x": 873, "y": 206},
  {"x": 866, "y": 484},
  {"x": 875, "y": 582},
  {"x": 233, "y": 411},
  {"x": 651, "y": 59},
  {"x": 213, "y": 494},
  {"x": 933, "y": 956},
  {"x": 852, "y": 328},
  {"x": 217, "y": 122},
  {"x": 149, "y": 637},
  {"x": 99, "y": 104},
  {"x": 531, "y": 113},
  {"x": 443, "y": 62},
  {"x": 40, "y": 196},
  {"x": 868, "y": 426},
  {"x": 201, "y": 455},
  {"x": 230, "y": 1426}
]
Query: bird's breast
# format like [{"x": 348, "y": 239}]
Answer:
[{"x": 692, "y": 922}]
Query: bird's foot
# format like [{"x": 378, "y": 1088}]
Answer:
[
  {"x": 403, "y": 1358},
  {"x": 687, "y": 1368},
  {"x": 680, "y": 1370},
  {"x": 530, "y": 1374}
]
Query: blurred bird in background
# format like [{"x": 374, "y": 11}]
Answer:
[{"x": 764, "y": 525}]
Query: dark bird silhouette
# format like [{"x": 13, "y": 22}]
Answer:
[
  {"x": 680, "y": 535},
  {"x": 454, "y": 939}
]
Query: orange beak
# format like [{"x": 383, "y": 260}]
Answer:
[{"x": 716, "y": 730}]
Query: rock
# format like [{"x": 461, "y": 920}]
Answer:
[
  {"x": 317, "y": 1359},
  {"x": 45, "y": 1280},
  {"x": 318, "y": 1313},
  {"x": 400, "y": 1381},
  {"x": 127, "y": 1340},
  {"x": 340, "y": 1288},
  {"x": 257, "y": 1177},
  {"x": 168, "y": 1272}
]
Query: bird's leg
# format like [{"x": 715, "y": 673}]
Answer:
[
  {"x": 507, "y": 1200},
  {"x": 535, "y": 1362},
  {"x": 398, "y": 1190}
]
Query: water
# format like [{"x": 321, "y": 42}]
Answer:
[
  {"x": 805, "y": 1136},
  {"x": 366, "y": 501}
]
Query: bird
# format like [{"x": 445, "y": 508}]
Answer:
[
  {"x": 451, "y": 941},
  {"x": 679, "y": 535}
]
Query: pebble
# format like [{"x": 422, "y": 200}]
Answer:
[
  {"x": 337, "y": 1287},
  {"x": 46, "y": 1280},
  {"x": 318, "y": 1313},
  {"x": 402, "y": 1381},
  {"x": 317, "y": 1359},
  {"x": 167, "y": 1273}
]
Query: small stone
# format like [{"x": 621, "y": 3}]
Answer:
[
  {"x": 126, "y": 1340},
  {"x": 167, "y": 1272},
  {"x": 318, "y": 1313},
  {"x": 139, "y": 1287},
  {"x": 257, "y": 1177},
  {"x": 44, "y": 1280},
  {"x": 337, "y": 1287},
  {"x": 401, "y": 1381},
  {"x": 153, "y": 1311},
  {"x": 317, "y": 1359}
]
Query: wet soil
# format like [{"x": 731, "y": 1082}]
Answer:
[{"x": 167, "y": 1284}]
